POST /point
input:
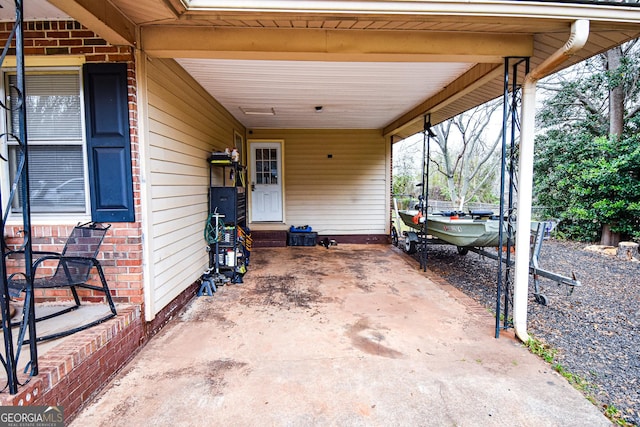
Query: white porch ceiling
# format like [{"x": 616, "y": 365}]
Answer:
[
  {"x": 422, "y": 57},
  {"x": 353, "y": 95}
]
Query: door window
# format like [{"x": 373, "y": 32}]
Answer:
[{"x": 266, "y": 166}]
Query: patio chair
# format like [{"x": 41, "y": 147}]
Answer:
[{"x": 73, "y": 267}]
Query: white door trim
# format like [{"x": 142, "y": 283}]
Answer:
[{"x": 265, "y": 143}]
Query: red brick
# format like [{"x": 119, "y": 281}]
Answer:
[
  {"x": 119, "y": 58},
  {"x": 70, "y": 42},
  {"x": 81, "y": 34},
  {"x": 56, "y": 51},
  {"x": 58, "y": 34},
  {"x": 45, "y": 42},
  {"x": 96, "y": 58},
  {"x": 95, "y": 42},
  {"x": 106, "y": 49},
  {"x": 127, "y": 262},
  {"x": 81, "y": 50},
  {"x": 33, "y": 35},
  {"x": 34, "y": 51}
]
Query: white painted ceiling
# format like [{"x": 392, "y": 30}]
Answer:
[
  {"x": 32, "y": 10},
  {"x": 353, "y": 95}
]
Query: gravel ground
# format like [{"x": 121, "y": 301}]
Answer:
[{"x": 596, "y": 330}]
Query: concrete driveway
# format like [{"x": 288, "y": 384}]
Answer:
[{"x": 353, "y": 335}]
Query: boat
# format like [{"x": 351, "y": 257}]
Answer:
[{"x": 473, "y": 229}]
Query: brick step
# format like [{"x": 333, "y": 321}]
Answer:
[
  {"x": 269, "y": 244},
  {"x": 269, "y": 238}
]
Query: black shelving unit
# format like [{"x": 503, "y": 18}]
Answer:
[{"x": 227, "y": 196}]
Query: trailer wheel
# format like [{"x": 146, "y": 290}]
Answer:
[
  {"x": 462, "y": 251},
  {"x": 541, "y": 299},
  {"x": 409, "y": 245},
  {"x": 394, "y": 237}
]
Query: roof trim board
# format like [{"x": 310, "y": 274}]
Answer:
[
  {"x": 332, "y": 45},
  {"x": 474, "y": 8}
]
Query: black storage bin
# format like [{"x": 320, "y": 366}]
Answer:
[{"x": 302, "y": 239}]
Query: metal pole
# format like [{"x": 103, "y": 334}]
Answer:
[
  {"x": 25, "y": 192},
  {"x": 12, "y": 377},
  {"x": 21, "y": 183},
  {"x": 510, "y": 211},
  {"x": 426, "y": 151},
  {"x": 503, "y": 155},
  {"x": 513, "y": 189}
]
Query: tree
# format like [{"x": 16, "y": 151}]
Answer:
[
  {"x": 465, "y": 154},
  {"x": 406, "y": 170},
  {"x": 587, "y": 158}
]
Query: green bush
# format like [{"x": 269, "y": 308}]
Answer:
[{"x": 590, "y": 182}]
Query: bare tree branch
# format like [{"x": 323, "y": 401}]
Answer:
[{"x": 462, "y": 161}]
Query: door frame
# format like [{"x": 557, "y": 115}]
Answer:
[{"x": 250, "y": 166}]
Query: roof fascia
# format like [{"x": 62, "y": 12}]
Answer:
[
  {"x": 475, "y": 8},
  {"x": 331, "y": 45},
  {"x": 177, "y": 7}
]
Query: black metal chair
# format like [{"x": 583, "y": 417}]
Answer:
[{"x": 73, "y": 267}]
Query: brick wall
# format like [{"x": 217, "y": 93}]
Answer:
[
  {"x": 121, "y": 252},
  {"x": 73, "y": 372}
]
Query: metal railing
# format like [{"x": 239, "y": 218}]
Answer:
[{"x": 20, "y": 185}]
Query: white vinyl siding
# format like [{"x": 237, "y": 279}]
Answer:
[
  {"x": 345, "y": 194},
  {"x": 184, "y": 126}
]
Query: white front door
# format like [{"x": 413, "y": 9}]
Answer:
[{"x": 266, "y": 181}]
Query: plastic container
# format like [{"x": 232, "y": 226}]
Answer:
[
  {"x": 230, "y": 258},
  {"x": 302, "y": 239}
]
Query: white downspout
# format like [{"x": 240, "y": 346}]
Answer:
[{"x": 578, "y": 38}]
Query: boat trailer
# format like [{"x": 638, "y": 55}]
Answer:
[
  {"x": 414, "y": 238},
  {"x": 534, "y": 264}
]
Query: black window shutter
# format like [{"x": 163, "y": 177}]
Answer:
[{"x": 108, "y": 142}]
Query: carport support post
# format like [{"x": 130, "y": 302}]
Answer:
[
  {"x": 577, "y": 39},
  {"x": 523, "y": 223}
]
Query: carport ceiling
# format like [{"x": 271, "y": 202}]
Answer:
[
  {"x": 358, "y": 95},
  {"x": 369, "y": 64}
]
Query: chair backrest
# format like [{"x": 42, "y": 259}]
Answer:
[{"x": 84, "y": 241}]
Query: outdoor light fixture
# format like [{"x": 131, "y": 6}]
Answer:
[{"x": 258, "y": 111}]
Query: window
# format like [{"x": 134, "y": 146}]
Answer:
[
  {"x": 57, "y": 154},
  {"x": 266, "y": 166},
  {"x": 79, "y": 142}
]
